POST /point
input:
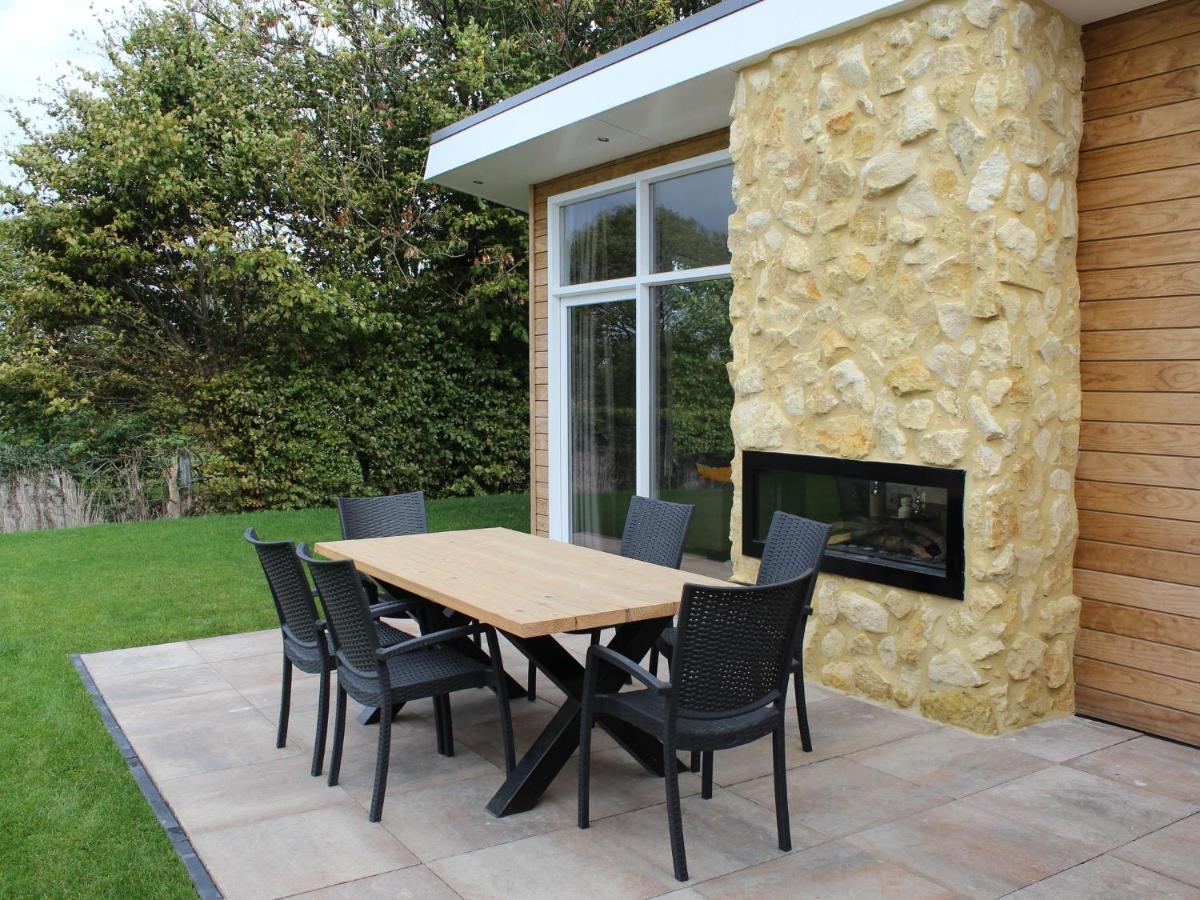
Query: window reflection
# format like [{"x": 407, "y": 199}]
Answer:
[
  {"x": 603, "y": 391},
  {"x": 691, "y": 220},
  {"x": 693, "y": 444},
  {"x": 598, "y": 238}
]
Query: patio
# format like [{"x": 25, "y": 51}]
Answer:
[{"x": 887, "y": 805}]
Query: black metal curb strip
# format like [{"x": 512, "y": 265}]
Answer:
[{"x": 206, "y": 888}]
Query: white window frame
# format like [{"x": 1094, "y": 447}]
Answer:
[{"x": 639, "y": 289}]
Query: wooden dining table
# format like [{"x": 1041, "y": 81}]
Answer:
[{"x": 531, "y": 589}]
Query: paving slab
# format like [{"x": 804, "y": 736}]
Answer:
[
  {"x": 291, "y": 854},
  {"x": 412, "y": 883},
  {"x": 141, "y": 659},
  {"x": 721, "y": 835},
  {"x": 970, "y": 851},
  {"x": 840, "y": 796},
  {"x": 1151, "y": 763},
  {"x": 1086, "y": 807},
  {"x": 1066, "y": 738},
  {"x": 831, "y": 871},
  {"x": 567, "y": 862},
  {"x": 950, "y": 762},
  {"x": 1173, "y": 851},
  {"x": 1107, "y": 876},
  {"x": 160, "y": 684}
]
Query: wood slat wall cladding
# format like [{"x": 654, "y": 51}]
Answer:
[
  {"x": 1138, "y": 482},
  {"x": 539, "y": 276}
]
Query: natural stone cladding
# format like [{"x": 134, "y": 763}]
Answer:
[{"x": 905, "y": 289}]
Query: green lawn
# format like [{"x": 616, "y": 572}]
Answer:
[{"x": 72, "y": 821}]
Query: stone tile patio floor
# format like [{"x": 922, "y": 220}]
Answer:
[{"x": 888, "y": 805}]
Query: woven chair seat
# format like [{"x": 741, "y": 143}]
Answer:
[
  {"x": 422, "y": 673},
  {"x": 307, "y": 656},
  {"x": 648, "y": 711}
]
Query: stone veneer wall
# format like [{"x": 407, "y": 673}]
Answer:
[{"x": 905, "y": 289}]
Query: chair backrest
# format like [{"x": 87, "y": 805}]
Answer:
[
  {"x": 346, "y": 610},
  {"x": 734, "y": 646},
  {"x": 655, "y": 531},
  {"x": 794, "y": 545},
  {"x": 390, "y": 516},
  {"x": 289, "y": 588}
]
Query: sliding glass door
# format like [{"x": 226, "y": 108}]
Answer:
[{"x": 639, "y": 397}]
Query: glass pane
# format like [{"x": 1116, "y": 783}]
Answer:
[
  {"x": 603, "y": 422},
  {"x": 691, "y": 220},
  {"x": 693, "y": 444},
  {"x": 598, "y": 238},
  {"x": 891, "y": 523}
]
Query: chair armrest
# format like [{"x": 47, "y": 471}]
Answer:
[
  {"x": 428, "y": 640},
  {"x": 393, "y": 607},
  {"x": 598, "y": 653}
]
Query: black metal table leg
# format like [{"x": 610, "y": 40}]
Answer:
[{"x": 558, "y": 741}]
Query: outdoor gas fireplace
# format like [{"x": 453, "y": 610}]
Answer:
[{"x": 892, "y": 523}]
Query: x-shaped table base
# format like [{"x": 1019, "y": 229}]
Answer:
[{"x": 559, "y": 740}]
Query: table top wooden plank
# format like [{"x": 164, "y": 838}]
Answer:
[{"x": 525, "y": 585}]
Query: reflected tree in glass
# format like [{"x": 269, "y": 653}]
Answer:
[
  {"x": 691, "y": 220},
  {"x": 599, "y": 238},
  {"x": 603, "y": 421},
  {"x": 693, "y": 445}
]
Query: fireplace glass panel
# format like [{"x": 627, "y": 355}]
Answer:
[{"x": 888, "y": 526}]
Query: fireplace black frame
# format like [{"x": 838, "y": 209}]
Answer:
[{"x": 891, "y": 573}]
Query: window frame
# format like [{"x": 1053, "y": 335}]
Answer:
[{"x": 639, "y": 288}]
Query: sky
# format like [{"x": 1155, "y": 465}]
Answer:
[{"x": 39, "y": 40}]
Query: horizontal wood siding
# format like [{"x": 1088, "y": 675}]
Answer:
[
  {"x": 539, "y": 275},
  {"x": 1138, "y": 480}
]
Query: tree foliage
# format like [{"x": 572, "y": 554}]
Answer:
[{"x": 223, "y": 240}]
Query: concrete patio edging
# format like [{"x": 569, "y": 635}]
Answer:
[{"x": 203, "y": 882}]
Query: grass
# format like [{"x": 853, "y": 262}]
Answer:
[{"x": 72, "y": 821}]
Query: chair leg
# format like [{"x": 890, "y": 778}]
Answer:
[
  {"x": 802, "y": 712},
  {"x": 322, "y": 725},
  {"x": 654, "y": 661},
  {"x": 694, "y": 762},
  {"x": 447, "y": 725},
  {"x": 706, "y": 778},
  {"x": 285, "y": 703},
  {"x": 782, "y": 819},
  {"x": 585, "y": 765},
  {"x": 383, "y": 756},
  {"x": 439, "y": 725},
  {"x": 339, "y": 736},
  {"x": 674, "y": 814},
  {"x": 594, "y": 639},
  {"x": 531, "y": 683}
]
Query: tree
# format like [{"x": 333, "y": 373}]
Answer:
[{"x": 226, "y": 236}]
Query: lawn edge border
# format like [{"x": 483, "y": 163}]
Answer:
[{"x": 203, "y": 882}]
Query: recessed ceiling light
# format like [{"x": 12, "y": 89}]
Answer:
[{"x": 602, "y": 139}]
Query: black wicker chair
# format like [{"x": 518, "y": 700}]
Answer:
[
  {"x": 385, "y": 676},
  {"x": 393, "y": 515},
  {"x": 655, "y": 531},
  {"x": 374, "y": 517},
  {"x": 794, "y": 545},
  {"x": 728, "y": 687},
  {"x": 305, "y": 641}
]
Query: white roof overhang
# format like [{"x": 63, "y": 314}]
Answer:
[{"x": 670, "y": 85}]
